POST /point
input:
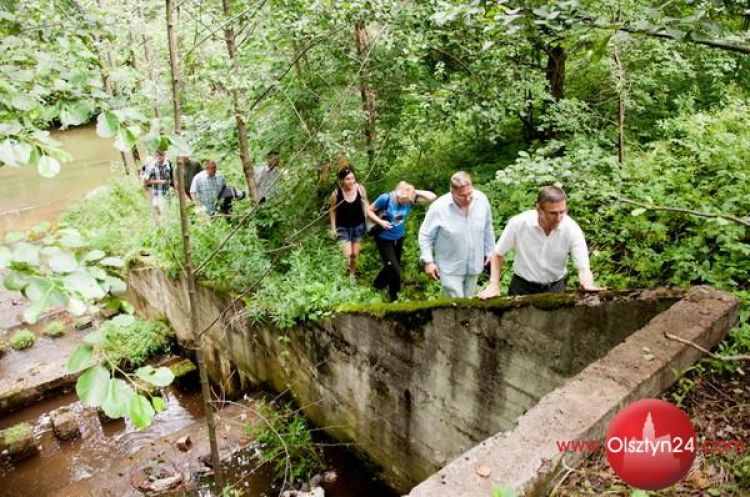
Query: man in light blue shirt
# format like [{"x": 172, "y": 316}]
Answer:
[{"x": 459, "y": 227}]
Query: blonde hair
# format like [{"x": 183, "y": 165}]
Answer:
[{"x": 405, "y": 190}]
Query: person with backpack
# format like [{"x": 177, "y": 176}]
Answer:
[
  {"x": 389, "y": 213},
  {"x": 206, "y": 187},
  {"x": 157, "y": 177}
]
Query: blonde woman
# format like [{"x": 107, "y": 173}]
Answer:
[{"x": 389, "y": 211}]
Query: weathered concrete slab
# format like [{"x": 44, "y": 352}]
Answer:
[
  {"x": 412, "y": 386},
  {"x": 526, "y": 457},
  {"x": 28, "y": 375}
]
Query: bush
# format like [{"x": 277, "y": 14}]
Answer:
[
  {"x": 131, "y": 340},
  {"x": 55, "y": 329},
  {"x": 286, "y": 441},
  {"x": 22, "y": 339}
]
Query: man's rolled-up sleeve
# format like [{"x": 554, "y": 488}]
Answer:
[
  {"x": 427, "y": 233},
  {"x": 579, "y": 251}
]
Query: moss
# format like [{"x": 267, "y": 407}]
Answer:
[
  {"x": 54, "y": 329},
  {"x": 22, "y": 339},
  {"x": 9, "y": 394},
  {"x": 17, "y": 433},
  {"x": 420, "y": 312},
  {"x": 182, "y": 368}
]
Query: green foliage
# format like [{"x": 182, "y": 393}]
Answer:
[
  {"x": 308, "y": 285},
  {"x": 133, "y": 340},
  {"x": 285, "y": 440},
  {"x": 503, "y": 491},
  {"x": 114, "y": 222},
  {"x": 55, "y": 329},
  {"x": 55, "y": 268},
  {"x": 124, "y": 341},
  {"x": 22, "y": 339}
]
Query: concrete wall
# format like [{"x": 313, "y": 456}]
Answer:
[{"x": 411, "y": 388}]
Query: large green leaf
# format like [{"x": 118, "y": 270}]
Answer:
[
  {"x": 31, "y": 314},
  {"x": 92, "y": 385},
  {"x": 84, "y": 284},
  {"x": 119, "y": 396},
  {"x": 123, "y": 320},
  {"x": 4, "y": 257},
  {"x": 75, "y": 114},
  {"x": 13, "y": 153},
  {"x": 63, "y": 263},
  {"x": 125, "y": 140},
  {"x": 107, "y": 125},
  {"x": 116, "y": 286},
  {"x": 26, "y": 253},
  {"x": 159, "y": 404},
  {"x": 23, "y": 102},
  {"x": 75, "y": 306},
  {"x": 15, "y": 281},
  {"x": 70, "y": 238},
  {"x": 140, "y": 411},
  {"x": 161, "y": 377},
  {"x": 10, "y": 128},
  {"x": 94, "y": 255},
  {"x": 80, "y": 358},
  {"x": 112, "y": 262}
]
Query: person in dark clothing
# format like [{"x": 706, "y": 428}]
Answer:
[
  {"x": 189, "y": 168},
  {"x": 389, "y": 211},
  {"x": 347, "y": 215}
]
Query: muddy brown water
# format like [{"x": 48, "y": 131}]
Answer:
[{"x": 27, "y": 199}]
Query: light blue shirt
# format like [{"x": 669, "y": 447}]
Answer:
[{"x": 461, "y": 241}]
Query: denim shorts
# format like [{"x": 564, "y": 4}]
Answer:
[{"x": 350, "y": 233}]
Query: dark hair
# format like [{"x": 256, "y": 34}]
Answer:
[
  {"x": 344, "y": 172},
  {"x": 550, "y": 194}
]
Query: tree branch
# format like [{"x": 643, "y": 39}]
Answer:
[
  {"x": 743, "y": 357},
  {"x": 735, "y": 219}
]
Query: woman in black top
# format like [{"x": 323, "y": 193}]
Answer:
[{"x": 347, "y": 215}]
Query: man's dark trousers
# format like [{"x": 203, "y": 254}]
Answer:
[{"x": 520, "y": 286}]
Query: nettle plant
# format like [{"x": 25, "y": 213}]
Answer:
[{"x": 130, "y": 395}]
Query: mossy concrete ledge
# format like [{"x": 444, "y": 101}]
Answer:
[{"x": 415, "y": 386}]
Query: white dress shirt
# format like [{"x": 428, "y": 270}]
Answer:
[{"x": 542, "y": 258}]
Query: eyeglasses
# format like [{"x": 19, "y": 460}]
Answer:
[{"x": 555, "y": 213}]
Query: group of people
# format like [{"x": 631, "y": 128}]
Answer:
[
  {"x": 204, "y": 186},
  {"x": 457, "y": 240}
]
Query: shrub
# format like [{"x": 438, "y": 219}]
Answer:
[
  {"x": 22, "y": 339},
  {"x": 131, "y": 340},
  {"x": 286, "y": 441},
  {"x": 55, "y": 329}
]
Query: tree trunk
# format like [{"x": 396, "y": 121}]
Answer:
[
  {"x": 365, "y": 91},
  {"x": 151, "y": 70},
  {"x": 189, "y": 276},
  {"x": 247, "y": 161},
  {"x": 104, "y": 60},
  {"x": 555, "y": 72}
]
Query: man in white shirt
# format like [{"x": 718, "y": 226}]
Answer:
[
  {"x": 458, "y": 226},
  {"x": 542, "y": 238}
]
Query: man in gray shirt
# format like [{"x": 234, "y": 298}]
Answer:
[
  {"x": 459, "y": 227},
  {"x": 267, "y": 178}
]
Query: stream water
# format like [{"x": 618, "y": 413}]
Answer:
[{"x": 26, "y": 198}]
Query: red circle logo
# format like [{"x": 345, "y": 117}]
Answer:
[{"x": 651, "y": 444}]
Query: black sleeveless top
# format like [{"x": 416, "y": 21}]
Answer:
[{"x": 349, "y": 214}]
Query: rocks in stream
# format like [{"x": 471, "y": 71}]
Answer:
[
  {"x": 65, "y": 423},
  {"x": 156, "y": 479},
  {"x": 18, "y": 442},
  {"x": 315, "y": 492},
  {"x": 184, "y": 443}
]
